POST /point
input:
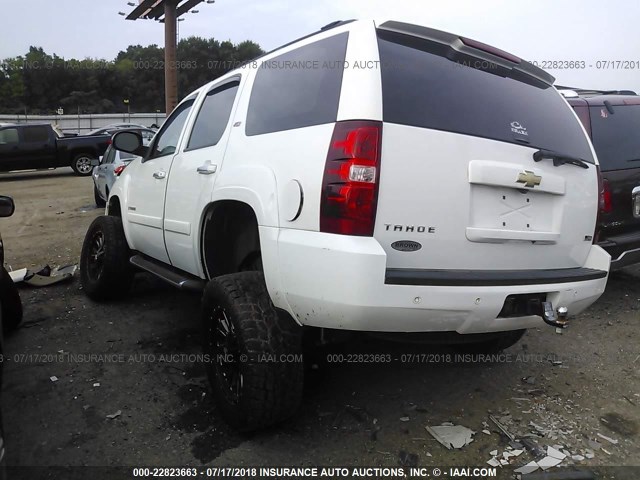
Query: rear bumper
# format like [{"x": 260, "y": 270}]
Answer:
[
  {"x": 335, "y": 281},
  {"x": 624, "y": 249}
]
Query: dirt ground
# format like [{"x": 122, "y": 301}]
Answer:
[{"x": 138, "y": 356}]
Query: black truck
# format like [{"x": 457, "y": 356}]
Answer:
[
  {"x": 612, "y": 120},
  {"x": 41, "y": 146}
]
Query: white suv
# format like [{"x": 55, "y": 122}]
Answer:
[{"x": 373, "y": 177}]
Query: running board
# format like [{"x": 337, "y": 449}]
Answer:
[{"x": 177, "y": 278}]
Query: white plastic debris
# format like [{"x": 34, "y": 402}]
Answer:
[
  {"x": 404, "y": 419},
  {"x": 528, "y": 468},
  {"x": 554, "y": 453},
  {"x": 577, "y": 458},
  {"x": 115, "y": 415},
  {"x": 493, "y": 462},
  {"x": 451, "y": 436},
  {"x": 97, "y": 384},
  {"x": 608, "y": 439},
  {"x": 53, "y": 378},
  {"x": 17, "y": 276},
  {"x": 548, "y": 462},
  {"x": 493, "y": 453}
]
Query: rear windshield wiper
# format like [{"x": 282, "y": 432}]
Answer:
[{"x": 558, "y": 158}]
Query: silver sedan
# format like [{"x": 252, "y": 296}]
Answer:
[
  {"x": 107, "y": 170},
  {"x": 112, "y": 163}
]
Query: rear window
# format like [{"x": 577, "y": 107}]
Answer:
[
  {"x": 616, "y": 136},
  {"x": 299, "y": 88},
  {"x": 423, "y": 89}
]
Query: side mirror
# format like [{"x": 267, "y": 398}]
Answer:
[
  {"x": 7, "y": 207},
  {"x": 130, "y": 142}
]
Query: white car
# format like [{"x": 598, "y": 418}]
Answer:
[{"x": 378, "y": 177}]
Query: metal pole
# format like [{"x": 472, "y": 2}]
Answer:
[{"x": 170, "y": 55}]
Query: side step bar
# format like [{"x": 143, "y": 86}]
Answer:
[{"x": 177, "y": 278}]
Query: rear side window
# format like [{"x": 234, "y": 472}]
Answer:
[
  {"x": 299, "y": 88},
  {"x": 423, "y": 89},
  {"x": 213, "y": 117},
  {"x": 616, "y": 136},
  {"x": 35, "y": 134}
]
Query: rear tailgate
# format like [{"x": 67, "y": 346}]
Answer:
[
  {"x": 616, "y": 138},
  {"x": 459, "y": 186}
]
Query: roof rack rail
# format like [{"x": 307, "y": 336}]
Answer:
[
  {"x": 593, "y": 91},
  {"x": 329, "y": 26},
  {"x": 335, "y": 24}
]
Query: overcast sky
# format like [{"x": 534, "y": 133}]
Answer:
[{"x": 539, "y": 30}]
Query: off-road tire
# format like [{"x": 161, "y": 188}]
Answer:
[
  {"x": 105, "y": 273},
  {"x": 269, "y": 390},
  {"x": 498, "y": 343},
  {"x": 81, "y": 164},
  {"x": 11, "y": 303},
  {"x": 99, "y": 201}
]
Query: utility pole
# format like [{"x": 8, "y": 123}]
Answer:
[
  {"x": 167, "y": 12},
  {"x": 170, "y": 55}
]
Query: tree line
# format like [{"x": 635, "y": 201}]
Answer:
[{"x": 40, "y": 83}]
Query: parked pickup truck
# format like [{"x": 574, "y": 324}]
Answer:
[{"x": 35, "y": 146}]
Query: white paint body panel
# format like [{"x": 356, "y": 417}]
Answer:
[{"x": 451, "y": 184}]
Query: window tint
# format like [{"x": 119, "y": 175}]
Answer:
[
  {"x": 167, "y": 139},
  {"x": 8, "y": 135},
  {"x": 423, "y": 89},
  {"x": 35, "y": 134},
  {"x": 213, "y": 117},
  {"x": 616, "y": 136},
  {"x": 299, "y": 88}
]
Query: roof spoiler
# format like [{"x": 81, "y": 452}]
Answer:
[{"x": 466, "y": 52}]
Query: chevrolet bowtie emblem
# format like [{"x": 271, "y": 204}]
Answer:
[{"x": 529, "y": 179}]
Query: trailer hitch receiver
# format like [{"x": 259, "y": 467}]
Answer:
[{"x": 557, "y": 319}]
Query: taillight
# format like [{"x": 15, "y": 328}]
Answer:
[
  {"x": 604, "y": 202},
  {"x": 119, "y": 169},
  {"x": 351, "y": 178},
  {"x": 605, "y": 197}
]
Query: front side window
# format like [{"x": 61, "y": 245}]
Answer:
[
  {"x": 109, "y": 155},
  {"x": 167, "y": 139},
  {"x": 147, "y": 136},
  {"x": 616, "y": 136},
  {"x": 213, "y": 117},
  {"x": 8, "y": 135},
  {"x": 298, "y": 89}
]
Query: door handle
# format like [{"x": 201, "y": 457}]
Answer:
[
  {"x": 207, "y": 169},
  {"x": 159, "y": 175}
]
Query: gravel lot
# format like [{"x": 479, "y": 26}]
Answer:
[{"x": 136, "y": 356}]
